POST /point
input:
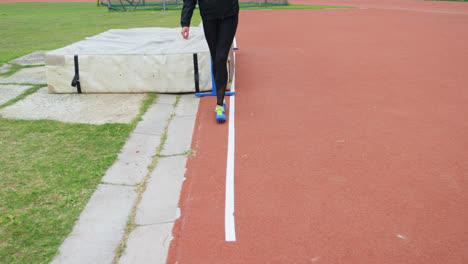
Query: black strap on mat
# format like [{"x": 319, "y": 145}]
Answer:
[
  {"x": 76, "y": 78},
  {"x": 196, "y": 76}
]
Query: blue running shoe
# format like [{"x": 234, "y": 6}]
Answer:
[
  {"x": 220, "y": 116},
  {"x": 224, "y": 105}
]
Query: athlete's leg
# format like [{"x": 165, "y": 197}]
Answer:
[
  {"x": 210, "y": 27},
  {"x": 225, "y": 34}
]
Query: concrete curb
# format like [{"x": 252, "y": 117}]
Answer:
[
  {"x": 35, "y": 58},
  {"x": 158, "y": 208},
  {"x": 10, "y": 92},
  {"x": 159, "y": 203},
  {"x": 35, "y": 75},
  {"x": 100, "y": 227},
  {"x": 148, "y": 244},
  {"x": 4, "y": 68}
]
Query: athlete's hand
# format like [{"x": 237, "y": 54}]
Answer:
[{"x": 185, "y": 32}]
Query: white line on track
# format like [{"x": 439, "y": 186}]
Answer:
[{"x": 229, "y": 224}]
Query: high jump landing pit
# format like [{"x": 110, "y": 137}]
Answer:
[{"x": 133, "y": 60}]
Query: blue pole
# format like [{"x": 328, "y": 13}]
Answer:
[{"x": 213, "y": 84}]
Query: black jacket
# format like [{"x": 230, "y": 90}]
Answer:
[{"x": 209, "y": 9}]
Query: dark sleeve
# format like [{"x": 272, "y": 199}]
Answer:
[{"x": 187, "y": 11}]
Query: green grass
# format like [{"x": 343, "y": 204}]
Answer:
[
  {"x": 49, "y": 169},
  {"x": 29, "y": 27}
]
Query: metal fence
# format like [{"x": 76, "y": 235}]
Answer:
[{"x": 133, "y": 5}]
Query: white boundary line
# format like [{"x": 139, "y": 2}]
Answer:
[
  {"x": 229, "y": 224},
  {"x": 235, "y": 44}
]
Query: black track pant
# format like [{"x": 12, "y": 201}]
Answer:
[{"x": 219, "y": 34}]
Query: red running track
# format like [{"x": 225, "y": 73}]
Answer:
[
  {"x": 351, "y": 143},
  {"x": 450, "y": 7}
]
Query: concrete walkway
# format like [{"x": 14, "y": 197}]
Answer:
[
  {"x": 130, "y": 216},
  {"x": 133, "y": 192}
]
